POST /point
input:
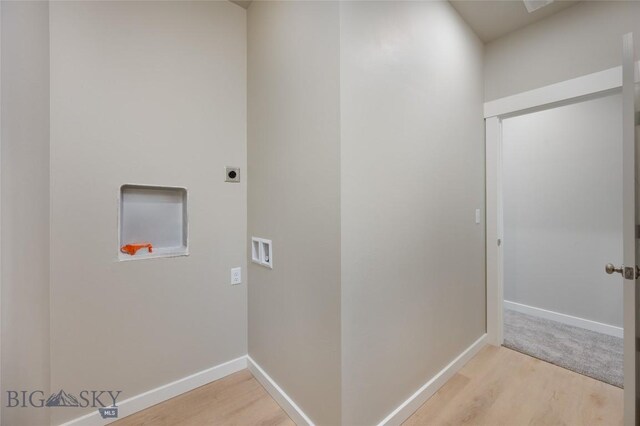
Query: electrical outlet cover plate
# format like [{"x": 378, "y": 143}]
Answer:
[{"x": 236, "y": 276}]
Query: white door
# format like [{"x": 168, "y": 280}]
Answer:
[{"x": 630, "y": 216}]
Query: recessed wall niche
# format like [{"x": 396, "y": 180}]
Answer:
[{"x": 153, "y": 222}]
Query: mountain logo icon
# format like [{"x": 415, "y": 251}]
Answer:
[{"x": 62, "y": 399}]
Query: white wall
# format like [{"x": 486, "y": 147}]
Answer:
[
  {"x": 562, "y": 209},
  {"x": 25, "y": 205},
  {"x": 149, "y": 93},
  {"x": 412, "y": 170},
  {"x": 294, "y": 199},
  {"x": 580, "y": 40}
]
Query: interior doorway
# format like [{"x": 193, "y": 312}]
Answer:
[
  {"x": 532, "y": 116},
  {"x": 562, "y": 221}
]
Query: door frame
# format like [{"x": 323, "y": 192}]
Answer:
[{"x": 567, "y": 92}]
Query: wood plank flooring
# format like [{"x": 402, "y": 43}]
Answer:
[
  {"x": 237, "y": 399},
  {"x": 497, "y": 387},
  {"x": 503, "y": 387}
]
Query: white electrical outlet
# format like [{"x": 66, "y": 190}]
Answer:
[{"x": 236, "y": 276}]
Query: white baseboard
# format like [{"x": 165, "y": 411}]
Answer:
[
  {"x": 276, "y": 392},
  {"x": 407, "y": 408},
  {"x": 611, "y": 330},
  {"x": 155, "y": 396}
]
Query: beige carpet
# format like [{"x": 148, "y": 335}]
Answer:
[{"x": 586, "y": 352}]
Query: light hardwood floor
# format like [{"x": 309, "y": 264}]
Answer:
[
  {"x": 503, "y": 387},
  {"x": 497, "y": 387},
  {"x": 237, "y": 399}
]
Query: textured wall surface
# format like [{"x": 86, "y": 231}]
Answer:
[
  {"x": 294, "y": 199},
  {"x": 147, "y": 93},
  {"x": 413, "y": 281},
  {"x": 580, "y": 40}
]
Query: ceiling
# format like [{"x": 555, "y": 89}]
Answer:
[{"x": 491, "y": 19}]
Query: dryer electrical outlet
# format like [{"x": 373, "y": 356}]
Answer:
[{"x": 232, "y": 174}]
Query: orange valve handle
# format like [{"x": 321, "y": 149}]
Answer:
[{"x": 133, "y": 248}]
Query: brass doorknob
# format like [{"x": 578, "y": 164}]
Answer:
[{"x": 610, "y": 269}]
